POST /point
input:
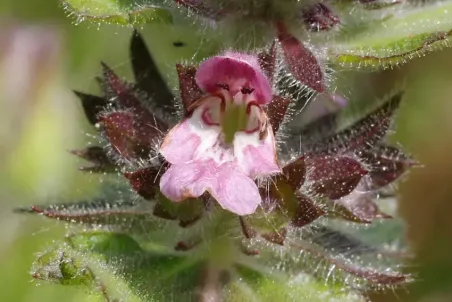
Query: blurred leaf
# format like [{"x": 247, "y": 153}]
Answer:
[
  {"x": 122, "y": 215},
  {"x": 63, "y": 266},
  {"x": 406, "y": 35},
  {"x": 253, "y": 285},
  {"x": 148, "y": 78},
  {"x": 378, "y": 4},
  {"x": 101, "y": 162},
  {"x": 104, "y": 242},
  {"x": 58, "y": 266},
  {"x": 156, "y": 276},
  {"x": 358, "y": 136},
  {"x": 124, "y": 12}
]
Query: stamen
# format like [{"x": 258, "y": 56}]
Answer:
[
  {"x": 223, "y": 86},
  {"x": 249, "y": 105},
  {"x": 246, "y": 90},
  {"x": 257, "y": 119}
]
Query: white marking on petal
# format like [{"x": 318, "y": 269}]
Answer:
[{"x": 256, "y": 157}]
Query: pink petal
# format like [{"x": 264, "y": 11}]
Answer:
[
  {"x": 180, "y": 144},
  {"x": 189, "y": 139},
  {"x": 233, "y": 190},
  {"x": 188, "y": 180},
  {"x": 236, "y": 192},
  {"x": 235, "y": 70},
  {"x": 256, "y": 158}
]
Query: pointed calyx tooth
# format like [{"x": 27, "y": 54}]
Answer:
[
  {"x": 189, "y": 90},
  {"x": 276, "y": 111},
  {"x": 306, "y": 211},
  {"x": 92, "y": 105},
  {"x": 161, "y": 212},
  {"x": 277, "y": 237},
  {"x": 363, "y": 134},
  {"x": 147, "y": 76},
  {"x": 295, "y": 173},
  {"x": 378, "y": 4},
  {"x": 131, "y": 138},
  {"x": 126, "y": 98},
  {"x": 333, "y": 176},
  {"x": 183, "y": 246},
  {"x": 336, "y": 210},
  {"x": 187, "y": 212},
  {"x": 362, "y": 206},
  {"x": 319, "y": 17},
  {"x": 323, "y": 126},
  {"x": 98, "y": 156},
  {"x": 144, "y": 181},
  {"x": 120, "y": 92},
  {"x": 267, "y": 61},
  {"x": 387, "y": 164},
  {"x": 331, "y": 239},
  {"x": 185, "y": 223},
  {"x": 301, "y": 62},
  {"x": 201, "y": 8}
]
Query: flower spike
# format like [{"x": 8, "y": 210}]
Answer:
[{"x": 231, "y": 191}]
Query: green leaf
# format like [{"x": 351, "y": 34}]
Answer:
[
  {"x": 406, "y": 35},
  {"x": 64, "y": 266},
  {"x": 121, "y": 214},
  {"x": 253, "y": 285},
  {"x": 154, "y": 275},
  {"x": 123, "y": 12},
  {"x": 58, "y": 266},
  {"x": 103, "y": 242}
]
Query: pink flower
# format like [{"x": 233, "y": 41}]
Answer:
[{"x": 225, "y": 142}]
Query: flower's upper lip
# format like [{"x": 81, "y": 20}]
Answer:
[{"x": 236, "y": 73}]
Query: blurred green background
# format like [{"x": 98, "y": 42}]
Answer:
[{"x": 40, "y": 119}]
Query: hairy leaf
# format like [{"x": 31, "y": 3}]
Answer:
[
  {"x": 301, "y": 62},
  {"x": 276, "y": 111},
  {"x": 129, "y": 138},
  {"x": 386, "y": 165},
  {"x": 189, "y": 90},
  {"x": 92, "y": 105},
  {"x": 267, "y": 61},
  {"x": 101, "y": 162},
  {"x": 333, "y": 177},
  {"x": 144, "y": 181},
  {"x": 319, "y": 17},
  {"x": 306, "y": 211},
  {"x": 134, "y": 217},
  {"x": 154, "y": 275},
  {"x": 124, "y": 12},
  {"x": 362, "y": 205},
  {"x": 251, "y": 284},
  {"x": 201, "y": 8},
  {"x": 361, "y": 135},
  {"x": 413, "y": 33},
  {"x": 148, "y": 78},
  {"x": 64, "y": 265}
]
